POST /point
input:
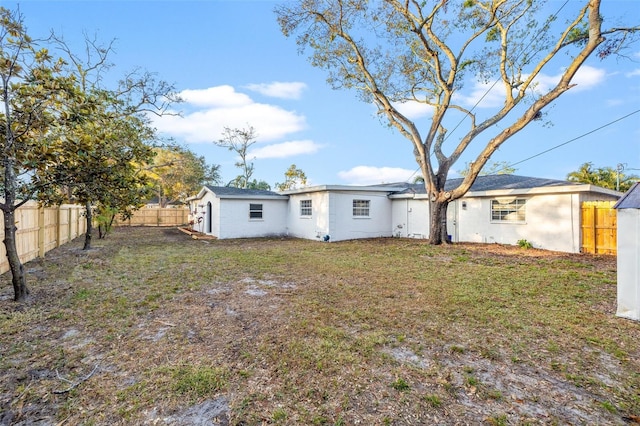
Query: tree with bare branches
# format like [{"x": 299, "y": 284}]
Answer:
[
  {"x": 239, "y": 141},
  {"x": 409, "y": 51}
]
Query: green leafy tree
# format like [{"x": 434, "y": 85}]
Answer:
[
  {"x": 605, "y": 177},
  {"x": 176, "y": 173},
  {"x": 394, "y": 52},
  {"x": 491, "y": 168},
  {"x": 31, "y": 89},
  {"x": 98, "y": 156},
  {"x": 259, "y": 184},
  {"x": 294, "y": 178},
  {"x": 239, "y": 141}
]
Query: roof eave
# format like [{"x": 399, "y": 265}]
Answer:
[{"x": 565, "y": 189}]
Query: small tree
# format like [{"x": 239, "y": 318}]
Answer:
[
  {"x": 294, "y": 177},
  {"x": 98, "y": 154},
  {"x": 31, "y": 87},
  {"x": 239, "y": 141}
]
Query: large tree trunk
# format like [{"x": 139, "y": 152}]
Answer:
[
  {"x": 438, "y": 222},
  {"x": 19, "y": 279},
  {"x": 88, "y": 234}
]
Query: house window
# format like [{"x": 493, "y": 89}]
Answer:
[
  {"x": 361, "y": 208},
  {"x": 255, "y": 211},
  {"x": 508, "y": 211},
  {"x": 305, "y": 208}
]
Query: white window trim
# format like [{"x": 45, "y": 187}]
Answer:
[
  {"x": 354, "y": 207},
  {"x": 518, "y": 203},
  {"x": 308, "y": 208}
]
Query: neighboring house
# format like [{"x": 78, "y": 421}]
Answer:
[
  {"x": 628, "y": 208},
  {"x": 498, "y": 209}
]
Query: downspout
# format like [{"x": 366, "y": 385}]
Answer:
[
  {"x": 407, "y": 218},
  {"x": 573, "y": 227}
]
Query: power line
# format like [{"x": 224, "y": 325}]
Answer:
[
  {"x": 574, "y": 139},
  {"x": 563, "y": 143},
  {"x": 539, "y": 34}
]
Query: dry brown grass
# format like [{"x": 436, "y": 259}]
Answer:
[{"x": 279, "y": 331}]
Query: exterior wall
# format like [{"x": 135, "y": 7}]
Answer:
[
  {"x": 552, "y": 219},
  {"x": 199, "y": 214},
  {"x": 235, "y": 221},
  {"x": 344, "y": 226},
  {"x": 410, "y": 218},
  {"x": 552, "y": 222},
  {"x": 629, "y": 264},
  {"x": 311, "y": 227}
]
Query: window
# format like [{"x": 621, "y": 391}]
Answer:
[
  {"x": 361, "y": 208},
  {"x": 255, "y": 211},
  {"x": 508, "y": 211},
  {"x": 305, "y": 208}
]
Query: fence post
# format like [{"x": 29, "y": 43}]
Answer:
[
  {"x": 58, "y": 225},
  {"x": 69, "y": 216},
  {"x": 41, "y": 233},
  {"x": 594, "y": 226}
]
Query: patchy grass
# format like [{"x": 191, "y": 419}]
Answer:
[{"x": 284, "y": 331}]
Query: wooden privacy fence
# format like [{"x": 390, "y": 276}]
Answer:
[
  {"x": 41, "y": 229},
  {"x": 599, "y": 227},
  {"x": 156, "y": 217}
]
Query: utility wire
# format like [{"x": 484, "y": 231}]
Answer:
[
  {"x": 498, "y": 79},
  {"x": 563, "y": 143},
  {"x": 573, "y": 140},
  {"x": 492, "y": 86}
]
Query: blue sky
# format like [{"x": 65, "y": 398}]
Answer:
[{"x": 234, "y": 68}]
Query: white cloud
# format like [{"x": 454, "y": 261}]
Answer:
[
  {"x": 219, "y": 96},
  {"x": 277, "y": 89},
  {"x": 413, "y": 110},
  {"x": 586, "y": 78},
  {"x": 484, "y": 95},
  {"x": 490, "y": 95},
  {"x": 209, "y": 111},
  {"x": 285, "y": 149},
  {"x": 368, "y": 175}
]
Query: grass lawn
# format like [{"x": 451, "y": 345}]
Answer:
[{"x": 153, "y": 327}]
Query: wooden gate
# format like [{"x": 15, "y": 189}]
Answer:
[{"x": 599, "y": 227}]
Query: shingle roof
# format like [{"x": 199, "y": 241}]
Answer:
[
  {"x": 496, "y": 182},
  {"x": 228, "y": 190},
  {"x": 631, "y": 199}
]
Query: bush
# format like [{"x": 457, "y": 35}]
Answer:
[{"x": 524, "y": 244}]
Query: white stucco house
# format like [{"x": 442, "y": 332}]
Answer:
[
  {"x": 628, "y": 209},
  {"x": 498, "y": 209},
  {"x": 226, "y": 212}
]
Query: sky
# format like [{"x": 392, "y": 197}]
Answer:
[{"x": 233, "y": 67}]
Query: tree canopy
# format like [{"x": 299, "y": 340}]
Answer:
[
  {"x": 175, "y": 173},
  {"x": 395, "y": 52},
  {"x": 605, "y": 177},
  {"x": 293, "y": 178},
  {"x": 63, "y": 136}
]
